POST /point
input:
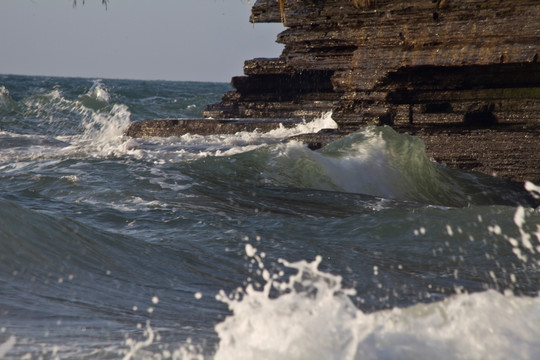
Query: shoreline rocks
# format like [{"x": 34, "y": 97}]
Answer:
[
  {"x": 179, "y": 127},
  {"x": 464, "y": 76}
]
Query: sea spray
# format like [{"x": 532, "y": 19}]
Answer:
[
  {"x": 86, "y": 124},
  {"x": 103, "y": 133},
  {"x": 190, "y": 147},
  {"x": 6, "y": 346},
  {"x": 310, "y": 302},
  {"x": 135, "y": 346},
  {"x": 7, "y": 105},
  {"x": 527, "y": 244},
  {"x": 98, "y": 92},
  {"x": 312, "y": 317}
]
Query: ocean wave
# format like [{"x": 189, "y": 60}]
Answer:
[
  {"x": 113, "y": 247},
  {"x": 97, "y": 97},
  {"x": 7, "y": 104},
  {"x": 375, "y": 161},
  {"x": 314, "y": 318}
]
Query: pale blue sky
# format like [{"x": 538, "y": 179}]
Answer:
[{"x": 200, "y": 40}]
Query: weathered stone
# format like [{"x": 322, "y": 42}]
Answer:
[
  {"x": 511, "y": 152},
  {"x": 267, "y": 66},
  {"x": 463, "y": 75},
  {"x": 265, "y": 11},
  {"x": 179, "y": 127}
]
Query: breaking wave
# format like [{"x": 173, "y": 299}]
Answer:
[
  {"x": 374, "y": 161},
  {"x": 314, "y": 318}
]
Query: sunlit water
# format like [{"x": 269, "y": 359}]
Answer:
[{"x": 244, "y": 246}]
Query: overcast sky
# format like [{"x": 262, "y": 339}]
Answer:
[{"x": 198, "y": 40}]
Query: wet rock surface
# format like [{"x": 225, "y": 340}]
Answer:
[
  {"x": 462, "y": 75},
  {"x": 179, "y": 127}
]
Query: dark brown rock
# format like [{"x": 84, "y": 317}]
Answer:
[{"x": 462, "y": 75}]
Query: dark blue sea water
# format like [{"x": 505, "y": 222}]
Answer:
[{"x": 244, "y": 246}]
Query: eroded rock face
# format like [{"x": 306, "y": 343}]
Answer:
[{"x": 464, "y": 75}]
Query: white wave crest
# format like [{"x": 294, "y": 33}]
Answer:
[
  {"x": 99, "y": 91},
  {"x": 315, "y": 319},
  {"x": 5, "y": 97},
  {"x": 103, "y": 133},
  {"x": 191, "y": 146}
]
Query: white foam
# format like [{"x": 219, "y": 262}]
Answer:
[
  {"x": 170, "y": 181},
  {"x": 77, "y": 128},
  {"x": 4, "y": 92},
  {"x": 364, "y": 167},
  {"x": 103, "y": 134},
  {"x": 315, "y": 319},
  {"x": 127, "y": 205},
  {"x": 5, "y": 97},
  {"x": 191, "y": 146},
  {"x": 527, "y": 245},
  {"x": 7, "y": 346},
  {"x": 325, "y": 121},
  {"x": 135, "y": 346},
  {"x": 243, "y": 138},
  {"x": 533, "y": 189},
  {"x": 99, "y": 91},
  {"x": 55, "y": 94}
]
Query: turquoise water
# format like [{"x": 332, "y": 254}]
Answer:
[{"x": 244, "y": 246}]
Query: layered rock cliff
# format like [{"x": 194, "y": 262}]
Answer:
[{"x": 463, "y": 75}]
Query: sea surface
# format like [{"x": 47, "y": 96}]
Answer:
[{"x": 246, "y": 246}]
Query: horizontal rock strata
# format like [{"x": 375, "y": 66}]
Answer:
[
  {"x": 463, "y": 75},
  {"x": 179, "y": 127}
]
